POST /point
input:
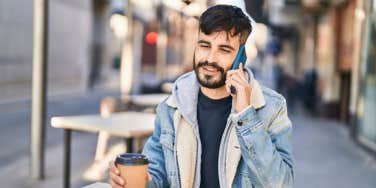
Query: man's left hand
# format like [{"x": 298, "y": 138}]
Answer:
[{"x": 242, "y": 97}]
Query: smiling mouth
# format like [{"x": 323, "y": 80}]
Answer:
[{"x": 210, "y": 69}]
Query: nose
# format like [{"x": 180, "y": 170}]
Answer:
[{"x": 211, "y": 57}]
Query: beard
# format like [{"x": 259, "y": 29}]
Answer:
[{"x": 210, "y": 81}]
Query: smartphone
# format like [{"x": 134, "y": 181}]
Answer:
[{"x": 241, "y": 57}]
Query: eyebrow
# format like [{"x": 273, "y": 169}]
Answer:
[{"x": 221, "y": 46}]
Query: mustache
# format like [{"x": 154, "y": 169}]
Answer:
[{"x": 214, "y": 65}]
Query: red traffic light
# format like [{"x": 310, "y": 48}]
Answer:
[{"x": 151, "y": 37}]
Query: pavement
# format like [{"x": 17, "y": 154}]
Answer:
[
  {"x": 15, "y": 141},
  {"x": 325, "y": 154}
]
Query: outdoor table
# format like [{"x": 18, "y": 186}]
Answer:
[
  {"x": 148, "y": 99},
  {"x": 98, "y": 185},
  {"x": 129, "y": 125}
]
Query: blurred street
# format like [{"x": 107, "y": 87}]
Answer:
[
  {"x": 326, "y": 155},
  {"x": 96, "y": 57}
]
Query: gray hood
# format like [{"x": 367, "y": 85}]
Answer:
[{"x": 185, "y": 95}]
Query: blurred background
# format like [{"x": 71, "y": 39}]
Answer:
[{"x": 319, "y": 54}]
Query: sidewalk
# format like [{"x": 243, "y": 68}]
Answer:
[
  {"x": 325, "y": 154},
  {"x": 327, "y": 157},
  {"x": 15, "y": 141}
]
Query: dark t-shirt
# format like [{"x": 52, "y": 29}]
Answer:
[{"x": 212, "y": 118}]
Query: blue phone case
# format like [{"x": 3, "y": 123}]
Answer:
[{"x": 241, "y": 57}]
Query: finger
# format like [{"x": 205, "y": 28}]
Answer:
[
  {"x": 238, "y": 86},
  {"x": 239, "y": 79},
  {"x": 117, "y": 179},
  {"x": 113, "y": 168},
  {"x": 241, "y": 74},
  {"x": 231, "y": 71},
  {"x": 229, "y": 74},
  {"x": 235, "y": 79},
  {"x": 228, "y": 86},
  {"x": 241, "y": 68},
  {"x": 149, "y": 177},
  {"x": 114, "y": 185}
]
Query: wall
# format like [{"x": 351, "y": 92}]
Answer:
[{"x": 70, "y": 24}]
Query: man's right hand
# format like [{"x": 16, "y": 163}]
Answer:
[{"x": 115, "y": 180}]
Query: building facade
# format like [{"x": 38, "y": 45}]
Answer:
[
  {"x": 69, "y": 47},
  {"x": 365, "y": 100}
]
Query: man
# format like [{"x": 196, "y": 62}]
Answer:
[{"x": 207, "y": 137}]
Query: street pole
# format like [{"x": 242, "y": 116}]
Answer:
[
  {"x": 38, "y": 106},
  {"x": 161, "y": 44},
  {"x": 126, "y": 66}
]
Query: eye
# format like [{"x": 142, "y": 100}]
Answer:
[
  {"x": 225, "y": 50},
  {"x": 204, "y": 46}
]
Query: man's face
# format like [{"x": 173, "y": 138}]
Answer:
[{"x": 214, "y": 56}]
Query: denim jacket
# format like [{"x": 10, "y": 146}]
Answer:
[{"x": 255, "y": 149}]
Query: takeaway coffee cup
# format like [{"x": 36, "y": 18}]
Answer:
[{"x": 133, "y": 169}]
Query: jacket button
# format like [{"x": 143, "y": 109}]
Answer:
[{"x": 240, "y": 123}]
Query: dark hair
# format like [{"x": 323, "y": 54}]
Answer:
[{"x": 228, "y": 18}]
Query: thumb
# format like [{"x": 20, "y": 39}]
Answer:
[{"x": 149, "y": 177}]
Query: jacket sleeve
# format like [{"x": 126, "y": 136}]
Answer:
[
  {"x": 153, "y": 150},
  {"x": 267, "y": 152}
]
